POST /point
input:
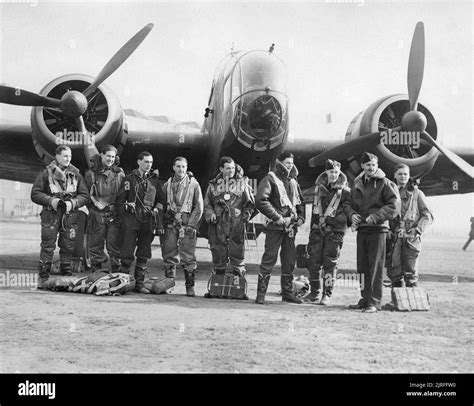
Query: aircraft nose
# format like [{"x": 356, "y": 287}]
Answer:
[
  {"x": 260, "y": 119},
  {"x": 265, "y": 117}
]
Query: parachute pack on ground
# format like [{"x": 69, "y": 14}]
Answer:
[{"x": 98, "y": 283}]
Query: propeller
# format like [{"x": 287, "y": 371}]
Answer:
[
  {"x": 413, "y": 121},
  {"x": 119, "y": 58},
  {"x": 73, "y": 103},
  {"x": 455, "y": 159},
  {"x": 416, "y": 65},
  {"x": 20, "y": 97},
  {"x": 351, "y": 148}
]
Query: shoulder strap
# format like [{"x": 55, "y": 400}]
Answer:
[
  {"x": 333, "y": 204},
  {"x": 169, "y": 194},
  {"x": 188, "y": 200},
  {"x": 317, "y": 205},
  {"x": 284, "y": 199},
  {"x": 98, "y": 202},
  {"x": 332, "y": 207},
  {"x": 54, "y": 186},
  {"x": 411, "y": 205}
]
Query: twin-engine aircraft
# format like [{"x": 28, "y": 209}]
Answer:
[{"x": 247, "y": 117}]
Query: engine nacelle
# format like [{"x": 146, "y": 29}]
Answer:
[
  {"x": 103, "y": 119},
  {"x": 387, "y": 113}
]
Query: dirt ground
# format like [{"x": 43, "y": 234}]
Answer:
[{"x": 51, "y": 332}]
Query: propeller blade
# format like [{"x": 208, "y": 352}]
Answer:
[
  {"x": 89, "y": 145},
  {"x": 19, "y": 97},
  {"x": 455, "y": 159},
  {"x": 416, "y": 65},
  {"x": 119, "y": 58},
  {"x": 347, "y": 149},
  {"x": 81, "y": 126}
]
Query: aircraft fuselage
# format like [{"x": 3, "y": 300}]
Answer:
[{"x": 248, "y": 117}]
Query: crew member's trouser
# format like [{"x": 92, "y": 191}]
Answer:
[
  {"x": 404, "y": 264},
  {"x": 371, "y": 248},
  {"x": 228, "y": 250},
  {"x": 174, "y": 248},
  {"x": 273, "y": 241},
  {"x": 50, "y": 225},
  {"x": 101, "y": 229},
  {"x": 137, "y": 235},
  {"x": 324, "y": 251}
]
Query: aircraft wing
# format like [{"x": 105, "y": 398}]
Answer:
[
  {"x": 446, "y": 178},
  {"x": 161, "y": 136},
  {"x": 165, "y": 139},
  {"x": 18, "y": 158}
]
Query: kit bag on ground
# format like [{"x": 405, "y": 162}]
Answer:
[
  {"x": 409, "y": 299},
  {"x": 227, "y": 287}
]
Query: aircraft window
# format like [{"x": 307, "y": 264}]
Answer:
[
  {"x": 265, "y": 116},
  {"x": 261, "y": 70},
  {"x": 236, "y": 82},
  {"x": 226, "y": 98}
]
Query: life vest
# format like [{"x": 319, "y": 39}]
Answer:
[
  {"x": 56, "y": 188},
  {"x": 188, "y": 190},
  {"x": 285, "y": 200}
]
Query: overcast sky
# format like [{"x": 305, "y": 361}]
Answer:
[{"x": 340, "y": 55}]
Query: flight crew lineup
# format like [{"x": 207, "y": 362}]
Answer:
[{"x": 127, "y": 212}]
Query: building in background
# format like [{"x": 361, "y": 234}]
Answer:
[{"x": 15, "y": 202}]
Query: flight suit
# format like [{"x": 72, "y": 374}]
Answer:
[
  {"x": 279, "y": 195},
  {"x": 407, "y": 229},
  {"x": 328, "y": 228},
  {"x": 103, "y": 223},
  {"x": 376, "y": 196},
  {"x": 232, "y": 202},
  {"x": 68, "y": 185},
  {"x": 183, "y": 211},
  {"x": 138, "y": 222}
]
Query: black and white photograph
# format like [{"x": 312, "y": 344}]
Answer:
[{"x": 237, "y": 187}]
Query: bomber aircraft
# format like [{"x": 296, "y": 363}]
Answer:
[{"x": 247, "y": 117}]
